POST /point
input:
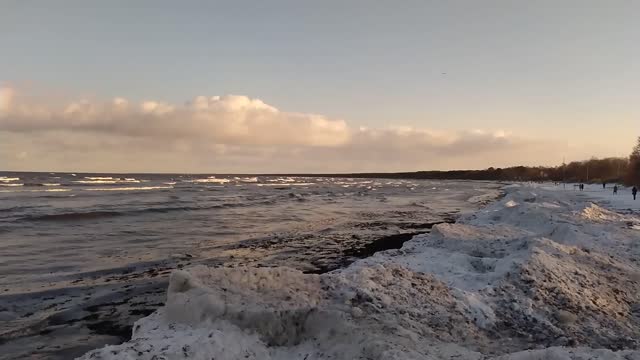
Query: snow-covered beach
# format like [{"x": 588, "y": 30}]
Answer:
[{"x": 542, "y": 273}]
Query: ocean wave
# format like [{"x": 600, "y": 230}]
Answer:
[
  {"x": 33, "y": 190},
  {"x": 107, "y": 181},
  {"x": 21, "y": 208},
  {"x": 99, "y": 178},
  {"x": 73, "y": 216},
  {"x": 96, "y": 181},
  {"x": 209, "y": 180},
  {"x": 8, "y": 179},
  {"x": 98, "y": 214},
  {"x": 32, "y": 184},
  {"x": 11, "y": 184},
  {"x": 287, "y": 184},
  {"x": 247, "y": 179},
  {"x": 131, "y": 188}
]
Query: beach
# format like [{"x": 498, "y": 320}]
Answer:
[
  {"x": 328, "y": 180},
  {"x": 542, "y": 273}
]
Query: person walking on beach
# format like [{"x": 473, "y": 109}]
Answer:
[
  {"x": 615, "y": 189},
  {"x": 604, "y": 185},
  {"x": 634, "y": 191}
]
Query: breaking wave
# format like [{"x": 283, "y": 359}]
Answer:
[
  {"x": 73, "y": 216},
  {"x": 99, "y": 214},
  {"x": 8, "y": 179},
  {"x": 209, "y": 180},
  {"x": 131, "y": 188}
]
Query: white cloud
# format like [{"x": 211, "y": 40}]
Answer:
[
  {"x": 235, "y": 134},
  {"x": 226, "y": 119},
  {"x": 6, "y": 97}
]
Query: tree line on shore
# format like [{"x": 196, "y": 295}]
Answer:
[{"x": 608, "y": 170}]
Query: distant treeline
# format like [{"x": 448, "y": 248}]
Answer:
[
  {"x": 609, "y": 170},
  {"x": 590, "y": 171}
]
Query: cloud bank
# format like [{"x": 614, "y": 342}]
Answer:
[{"x": 232, "y": 134}]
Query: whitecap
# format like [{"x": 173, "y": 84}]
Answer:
[
  {"x": 130, "y": 188},
  {"x": 249, "y": 179},
  {"x": 209, "y": 180},
  {"x": 99, "y": 177},
  {"x": 95, "y": 181}
]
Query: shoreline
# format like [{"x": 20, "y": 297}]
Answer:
[
  {"x": 91, "y": 309},
  {"x": 521, "y": 278}
]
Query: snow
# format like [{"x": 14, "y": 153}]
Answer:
[
  {"x": 485, "y": 197},
  {"x": 542, "y": 273},
  {"x": 623, "y": 201}
]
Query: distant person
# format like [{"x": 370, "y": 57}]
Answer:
[
  {"x": 604, "y": 185},
  {"x": 615, "y": 190},
  {"x": 634, "y": 191},
  {"x": 581, "y": 187}
]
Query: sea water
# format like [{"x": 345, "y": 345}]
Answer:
[{"x": 82, "y": 256}]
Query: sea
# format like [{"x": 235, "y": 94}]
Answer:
[{"x": 82, "y": 256}]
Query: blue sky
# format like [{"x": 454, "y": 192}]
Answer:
[{"x": 561, "y": 70}]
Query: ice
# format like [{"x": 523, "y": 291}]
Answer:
[
  {"x": 483, "y": 198},
  {"x": 540, "y": 274},
  {"x": 511, "y": 203},
  {"x": 597, "y": 213}
]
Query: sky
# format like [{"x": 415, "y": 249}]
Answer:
[{"x": 324, "y": 86}]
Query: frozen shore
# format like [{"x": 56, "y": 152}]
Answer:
[{"x": 540, "y": 274}]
